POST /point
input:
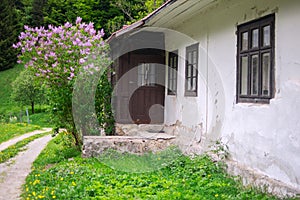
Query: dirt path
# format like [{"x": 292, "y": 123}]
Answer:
[
  {"x": 12, "y": 176},
  {"x": 13, "y": 141}
]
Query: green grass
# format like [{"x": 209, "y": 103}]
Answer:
[
  {"x": 54, "y": 176},
  {"x": 139, "y": 164},
  {"x": 13, "y": 150},
  {"x": 6, "y": 79},
  {"x": 41, "y": 119},
  {"x": 9, "y": 108},
  {"x": 8, "y": 131},
  {"x": 59, "y": 149}
]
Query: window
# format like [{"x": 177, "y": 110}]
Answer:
[
  {"x": 191, "y": 70},
  {"x": 172, "y": 73},
  {"x": 146, "y": 74},
  {"x": 255, "y": 65}
]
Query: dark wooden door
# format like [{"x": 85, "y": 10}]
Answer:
[
  {"x": 143, "y": 89},
  {"x": 147, "y": 102}
]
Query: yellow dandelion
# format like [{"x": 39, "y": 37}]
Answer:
[
  {"x": 26, "y": 189},
  {"x": 53, "y": 197},
  {"x": 71, "y": 172},
  {"x": 33, "y": 193},
  {"x": 61, "y": 179},
  {"x": 216, "y": 195},
  {"x": 41, "y": 196},
  {"x": 52, "y": 192},
  {"x": 73, "y": 183},
  {"x": 37, "y": 181}
]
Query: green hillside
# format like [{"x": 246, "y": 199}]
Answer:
[{"x": 6, "y": 79}]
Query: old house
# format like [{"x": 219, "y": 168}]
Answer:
[{"x": 211, "y": 70}]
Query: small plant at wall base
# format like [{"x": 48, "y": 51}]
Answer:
[
  {"x": 219, "y": 150},
  {"x": 57, "y": 56}
]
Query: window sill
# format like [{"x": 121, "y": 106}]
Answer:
[
  {"x": 253, "y": 100},
  {"x": 190, "y": 94}
]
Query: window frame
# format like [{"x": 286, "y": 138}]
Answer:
[
  {"x": 172, "y": 55},
  {"x": 248, "y": 27},
  {"x": 190, "y": 49}
]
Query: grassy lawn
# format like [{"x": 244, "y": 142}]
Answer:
[
  {"x": 6, "y": 78},
  {"x": 8, "y": 131},
  {"x": 9, "y": 108},
  {"x": 56, "y": 177},
  {"x": 42, "y": 119},
  {"x": 13, "y": 150}
]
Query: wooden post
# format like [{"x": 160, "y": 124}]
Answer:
[{"x": 28, "y": 121}]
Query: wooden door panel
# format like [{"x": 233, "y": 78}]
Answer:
[{"x": 145, "y": 99}]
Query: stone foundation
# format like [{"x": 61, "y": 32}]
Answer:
[
  {"x": 96, "y": 145},
  {"x": 254, "y": 178}
]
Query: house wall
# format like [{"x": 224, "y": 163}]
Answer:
[{"x": 264, "y": 137}]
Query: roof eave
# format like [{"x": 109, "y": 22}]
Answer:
[{"x": 141, "y": 22}]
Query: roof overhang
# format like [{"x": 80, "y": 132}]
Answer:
[
  {"x": 169, "y": 15},
  {"x": 140, "y": 23}
]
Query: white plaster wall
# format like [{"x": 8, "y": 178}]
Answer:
[{"x": 263, "y": 137}]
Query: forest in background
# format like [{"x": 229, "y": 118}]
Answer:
[{"x": 109, "y": 15}]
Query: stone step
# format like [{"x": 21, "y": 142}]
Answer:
[{"x": 134, "y": 129}]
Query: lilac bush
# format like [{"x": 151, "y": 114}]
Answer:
[{"x": 57, "y": 55}]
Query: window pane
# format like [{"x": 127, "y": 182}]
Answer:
[
  {"x": 194, "y": 84},
  {"x": 189, "y": 84},
  {"x": 194, "y": 71},
  {"x": 146, "y": 74},
  {"x": 266, "y": 37},
  {"x": 190, "y": 70},
  {"x": 244, "y": 75},
  {"x": 174, "y": 85},
  {"x": 194, "y": 57},
  {"x": 175, "y": 76},
  {"x": 254, "y": 38},
  {"x": 245, "y": 41},
  {"x": 175, "y": 62},
  {"x": 141, "y": 74},
  {"x": 152, "y": 74},
  {"x": 266, "y": 74},
  {"x": 170, "y": 84},
  {"x": 189, "y": 57},
  {"x": 254, "y": 74}
]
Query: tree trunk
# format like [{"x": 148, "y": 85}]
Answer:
[{"x": 32, "y": 107}]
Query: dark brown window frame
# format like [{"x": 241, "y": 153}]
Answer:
[
  {"x": 193, "y": 69},
  {"x": 248, "y": 27},
  {"x": 172, "y": 74}
]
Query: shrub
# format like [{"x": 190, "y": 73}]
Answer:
[{"x": 67, "y": 58}]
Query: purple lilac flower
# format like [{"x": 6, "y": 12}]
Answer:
[
  {"x": 78, "y": 20},
  {"x": 81, "y": 61}
]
